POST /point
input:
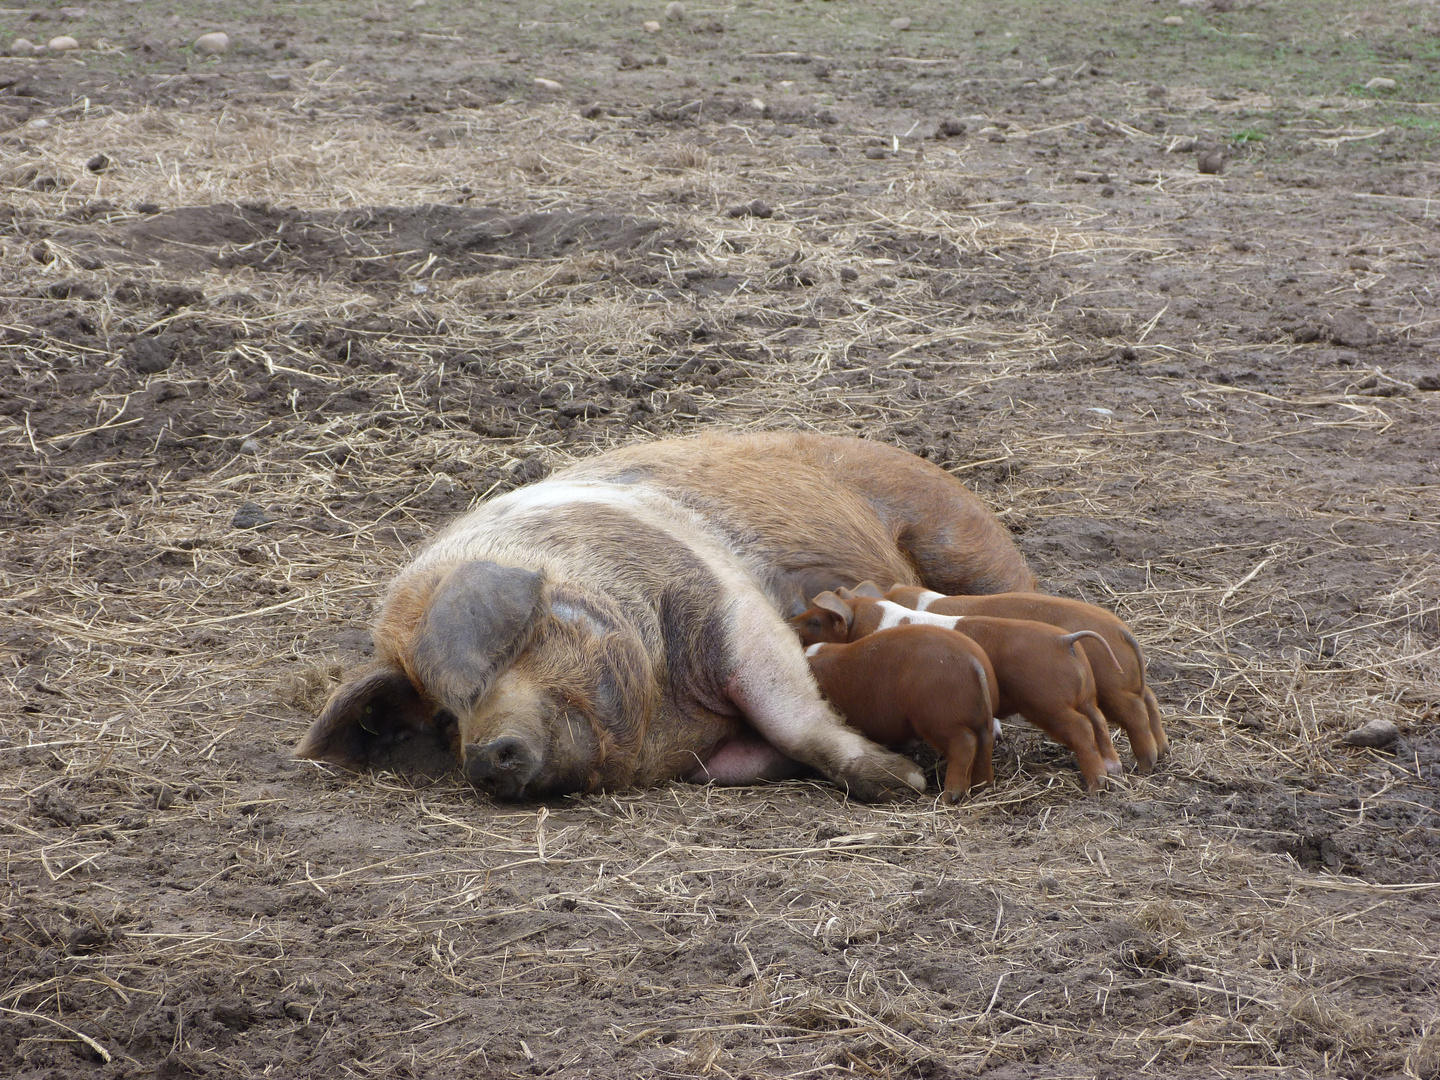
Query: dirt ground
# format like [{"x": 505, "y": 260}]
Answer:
[{"x": 268, "y": 319}]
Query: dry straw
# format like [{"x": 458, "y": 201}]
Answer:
[{"x": 158, "y": 663}]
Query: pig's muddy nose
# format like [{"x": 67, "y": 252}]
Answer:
[{"x": 502, "y": 767}]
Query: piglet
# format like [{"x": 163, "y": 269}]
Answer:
[
  {"x": 1039, "y": 673},
  {"x": 914, "y": 682},
  {"x": 1118, "y": 662}
]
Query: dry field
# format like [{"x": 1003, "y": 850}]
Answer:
[{"x": 267, "y": 320}]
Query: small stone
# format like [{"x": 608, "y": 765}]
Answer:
[
  {"x": 758, "y": 208},
  {"x": 99, "y": 163},
  {"x": 995, "y": 135},
  {"x": 1049, "y": 82},
  {"x": 164, "y": 797},
  {"x": 651, "y": 26},
  {"x": 1173, "y": 20},
  {"x": 250, "y": 515},
  {"x": 950, "y": 128},
  {"x": 849, "y": 273},
  {"x": 877, "y": 153},
  {"x": 1211, "y": 162},
  {"x": 902, "y": 23},
  {"x": 1351, "y": 330},
  {"x": 278, "y": 80},
  {"x": 63, "y": 43},
  {"x": 1374, "y": 735},
  {"x": 547, "y": 84},
  {"x": 213, "y": 44},
  {"x": 1428, "y": 382},
  {"x": 416, "y": 5},
  {"x": 22, "y": 47},
  {"x": 675, "y": 11},
  {"x": 1381, "y": 83},
  {"x": 74, "y": 14},
  {"x": 250, "y": 446}
]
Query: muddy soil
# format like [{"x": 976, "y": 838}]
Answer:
[{"x": 271, "y": 319}]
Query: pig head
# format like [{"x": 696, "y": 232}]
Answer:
[{"x": 620, "y": 623}]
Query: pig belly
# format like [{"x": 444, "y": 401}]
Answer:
[{"x": 746, "y": 759}]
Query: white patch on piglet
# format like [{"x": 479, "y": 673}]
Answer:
[
  {"x": 895, "y": 615},
  {"x": 926, "y": 598}
]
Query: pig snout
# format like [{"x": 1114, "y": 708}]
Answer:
[{"x": 502, "y": 767}]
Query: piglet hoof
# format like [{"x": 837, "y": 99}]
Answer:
[
  {"x": 881, "y": 777},
  {"x": 1114, "y": 768},
  {"x": 1144, "y": 765},
  {"x": 951, "y": 798}
]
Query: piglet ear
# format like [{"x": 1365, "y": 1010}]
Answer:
[
  {"x": 868, "y": 589},
  {"x": 828, "y": 601},
  {"x": 478, "y": 621},
  {"x": 374, "y": 709}
]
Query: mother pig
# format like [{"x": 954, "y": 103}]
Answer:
[{"x": 619, "y": 623}]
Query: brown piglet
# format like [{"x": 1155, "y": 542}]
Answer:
[{"x": 914, "y": 682}]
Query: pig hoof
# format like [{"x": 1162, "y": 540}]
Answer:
[
  {"x": 1114, "y": 768},
  {"x": 952, "y": 798},
  {"x": 881, "y": 777}
]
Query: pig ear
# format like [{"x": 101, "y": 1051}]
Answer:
[
  {"x": 376, "y": 708},
  {"x": 828, "y": 601},
  {"x": 868, "y": 589},
  {"x": 474, "y": 627}
]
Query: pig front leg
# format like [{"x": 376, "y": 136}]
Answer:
[{"x": 770, "y": 683}]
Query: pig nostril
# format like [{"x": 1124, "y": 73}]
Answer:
[{"x": 501, "y": 757}]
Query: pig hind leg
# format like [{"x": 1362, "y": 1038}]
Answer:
[
  {"x": 1157, "y": 730},
  {"x": 958, "y": 548},
  {"x": 1075, "y": 730},
  {"x": 946, "y": 532},
  {"x": 1103, "y": 743},
  {"x": 983, "y": 771},
  {"x": 1128, "y": 711},
  {"x": 961, "y": 755}
]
